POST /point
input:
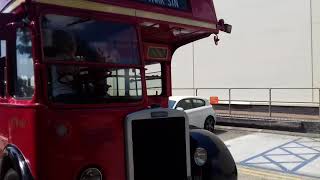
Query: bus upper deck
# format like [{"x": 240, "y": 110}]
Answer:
[{"x": 180, "y": 21}]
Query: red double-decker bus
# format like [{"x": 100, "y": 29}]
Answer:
[{"x": 84, "y": 87}]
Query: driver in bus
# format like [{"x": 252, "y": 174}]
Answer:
[
  {"x": 63, "y": 76},
  {"x": 64, "y": 44},
  {"x": 103, "y": 54}
]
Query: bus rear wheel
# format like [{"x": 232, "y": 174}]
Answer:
[{"x": 11, "y": 175}]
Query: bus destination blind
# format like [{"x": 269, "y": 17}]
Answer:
[{"x": 176, "y": 4}]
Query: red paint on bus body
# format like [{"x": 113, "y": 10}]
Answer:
[{"x": 59, "y": 140}]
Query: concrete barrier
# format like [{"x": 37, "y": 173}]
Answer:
[{"x": 270, "y": 123}]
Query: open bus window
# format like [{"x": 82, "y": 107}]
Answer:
[
  {"x": 125, "y": 82},
  {"x": 154, "y": 79},
  {"x": 84, "y": 39},
  {"x": 24, "y": 83},
  {"x": 3, "y": 55},
  {"x": 88, "y": 85}
]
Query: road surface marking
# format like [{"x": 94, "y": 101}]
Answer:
[{"x": 262, "y": 174}]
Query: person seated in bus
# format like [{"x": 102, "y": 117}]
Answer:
[
  {"x": 113, "y": 53},
  {"x": 99, "y": 53},
  {"x": 63, "y": 76},
  {"x": 64, "y": 44},
  {"x": 106, "y": 52}
]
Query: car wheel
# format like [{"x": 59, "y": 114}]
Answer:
[
  {"x": 209, "y": 124},
  {"x": 11, "y": 175}
]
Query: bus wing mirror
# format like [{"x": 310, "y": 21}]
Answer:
[
  {"x": 228, "y": 28},
  {"x": 222, "y": 26}
]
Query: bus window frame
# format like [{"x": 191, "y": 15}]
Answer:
[
  {"x": 163, "y": 79},
  {"x": 13, "y": 68},
  {"x": 165, "y": 67},
  {"x": 3, "y": 97},
  {"x": 97, "y": 16},
  {"x": 80, "y": 14},
  {"x": 9, "y": 46}
]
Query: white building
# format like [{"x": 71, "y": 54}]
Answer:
[{"x": 274, "y": 44}]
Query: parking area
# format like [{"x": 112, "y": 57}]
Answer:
[{"x": 294, "y": 156}]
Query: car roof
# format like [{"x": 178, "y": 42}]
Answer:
[{"x": 178, "y": 98}]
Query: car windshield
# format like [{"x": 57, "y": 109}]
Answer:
[
  {"x": 73, "y": 47},
  {"x": 171, "y": 104}
]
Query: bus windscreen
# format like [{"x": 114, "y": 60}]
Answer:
[
  {"x": 67, "y": 38},
  {"x": 74, "y": 46}
]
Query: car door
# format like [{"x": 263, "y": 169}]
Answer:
[
  {"x": 186, "y": 105},
  {"x": 199, "y": 112}
]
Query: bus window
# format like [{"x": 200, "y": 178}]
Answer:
[
  {"x": 85, "y": 85},
  {"x": 24, "y": 72},
  {"x": 91, "y": 41},
  {"x": 85, "y": 39},
  {"x": 3, "y": 54},
  {"x": 125, "y": 82},
  {"x": 154, "y": 79}
]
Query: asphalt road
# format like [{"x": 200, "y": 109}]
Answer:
[{"x": 270, "y": 155}]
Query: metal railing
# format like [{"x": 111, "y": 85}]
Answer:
[{"x": 270, "y": 102}]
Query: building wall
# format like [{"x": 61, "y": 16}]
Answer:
[
  {"x": 316, "y": 41},
  {"x": 270, "y": 47}
]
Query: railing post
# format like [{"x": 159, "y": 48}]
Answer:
[
  {"x": 270, "y": 102},
  {"x": 319, "y": 102},
  {"x": 196, "y": 91},
  {"x": 229, "y": 101}
]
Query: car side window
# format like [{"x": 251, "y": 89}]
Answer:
[
  {"x": 3, "y": 55},
  {"x": 185, "y": 104},
  {"x": 198, "y": 103}
]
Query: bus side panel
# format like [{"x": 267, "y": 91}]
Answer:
[
  {"x": 4, "y": 131},
  {"x": 75, "y": 139},
  {"x": 18, "y": 126}
]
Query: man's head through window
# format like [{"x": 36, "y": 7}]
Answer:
[{"x": 64, "y": 44}]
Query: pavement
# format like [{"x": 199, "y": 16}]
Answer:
[
  {"x": 246, "y": 173},
  {"x": 257, "y": 120},
  {"x": 266, "y": 154},
  {"x": 277, "y": 115}
]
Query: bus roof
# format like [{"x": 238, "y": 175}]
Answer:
[{"x": 199, "y": 13}]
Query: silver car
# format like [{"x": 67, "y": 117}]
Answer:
[{"x": 199, "y": 110}]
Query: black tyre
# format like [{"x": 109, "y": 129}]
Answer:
[
  {"x": 12, "y": 175},
  {"x": 209, "y": 124}
]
